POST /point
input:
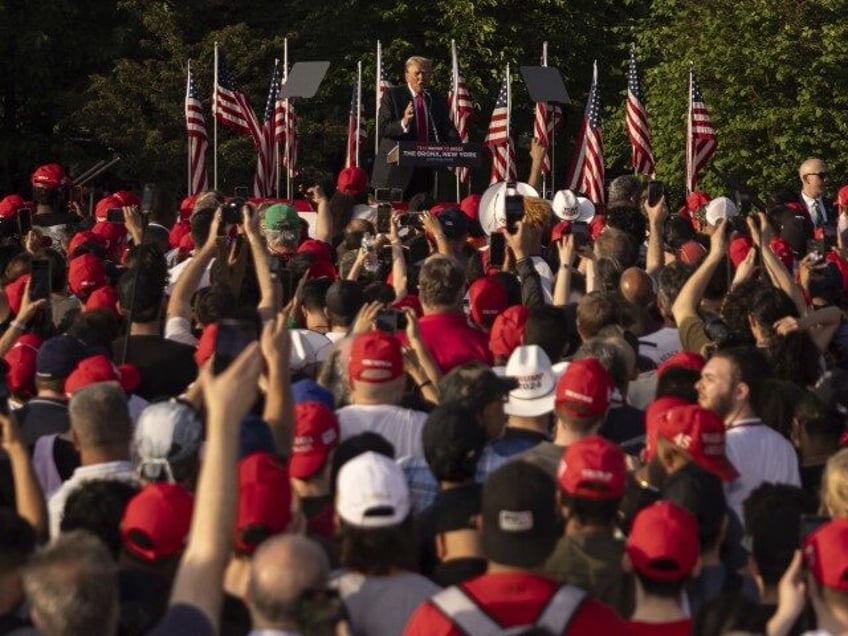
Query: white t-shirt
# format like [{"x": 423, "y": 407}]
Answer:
[
  {"x": 402, "y": 427},
  {"x": 177, "y": 270},
  {"x": 760, "y": 454},
  {"x": 660, "y": 345}
]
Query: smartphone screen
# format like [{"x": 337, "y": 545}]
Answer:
[
  {"x": 383, "y": 195},
  {"x": 233, "y": 337},
  {"x": 384, "y": 218},
  {"x": 514, "y": 208},
  {"x": 655, "y": 192},
  {"x": 497, "y": 249},
  {"x": 580, "y": 231},
  {"x": 39, "y": 284},
  {"x": 115, "y": 215},
  {"x": 24, "y": 221},
  {"x": 396, "y": 195},
  {"x": 390, "y": 320},
  {"x": 148, "y": 197},
  {"x": 240, "y": 192}
]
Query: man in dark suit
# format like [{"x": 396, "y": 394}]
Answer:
[
  {"x": 411, "y": 113},
  {"x": 813, "y": 175}
]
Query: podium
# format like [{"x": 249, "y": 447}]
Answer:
[{"x": 434, "y": 155}]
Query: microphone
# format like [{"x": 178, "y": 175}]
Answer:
[{"x": 427, "y": 100}]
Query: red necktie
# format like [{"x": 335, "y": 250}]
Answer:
[{"x": 421, "y": 117}]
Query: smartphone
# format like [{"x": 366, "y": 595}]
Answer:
[
  {"x": 514, "y": 208},
  {"x": 232, "y": 212},
  {"x": 240, "y": 192},
  {"x": 656, "y": 189},
  {"x": 811, "y": 523},
  {"x": 384, "y": 218},
  {"x": 39, "y": 282},
  {"x": 816, "y": 250},
  {"x": 396, "y": 195},
  {"x": 382, "y": 195},
  {"x": 233, "y": 336},
  {"x": 24, "y": 221},
  {"x": 580, "y": 232},
  {"x": 115, "y": 215},
  {"x": 390, "y": 320},
  {"x": 497, "y": 249},
  {"x": 148, "y": 198}
]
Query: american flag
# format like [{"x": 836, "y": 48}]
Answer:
[
  {"x": 586, "y": 173},
  {"x": 497, "y": 138},
  {"x": 265, "y": 181},
  {"x": 460, "y": 112},
  {"x": 700, "y": 136},
  {"x": 636, "y": 120},
  {"x": 198, "y": 142},
  {"x": 286, "y": 132},
  {"x": 230, "y": 105},
  {"x": 541, "y": 126},
  {"x": 383, "y": 85},
  {"x": 354, "y": 124}
]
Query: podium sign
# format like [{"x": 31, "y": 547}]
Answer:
[{"x": 434, "y": 155}]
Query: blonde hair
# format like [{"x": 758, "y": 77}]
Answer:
[
  {"x": 537, "y": 212},
  {"x": 834, "y": 488},
  {"x": 419, "y": 61}
]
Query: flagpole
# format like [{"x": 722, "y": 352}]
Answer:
[
  {"x": 508, "y": 117},
  {"x": 276, "y": 159},
  {"x": 286, "y": 124},
  {"x": 215, "y": 124},
  {"x": 358, "y": 109},
  {"x": 551, "y": 137},
  {"x": 188, "y": 144},
  {"x": 689, "y": 135},
  {"x": 377, "y": 100},
  {"x": 455, "y": 104}
]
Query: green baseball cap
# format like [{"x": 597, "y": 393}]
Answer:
[{"x": 281, "y": 216}]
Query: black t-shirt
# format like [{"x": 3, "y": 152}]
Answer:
[
  {"x": 449, "y": 511},
  {"x": 623, "y": 424},
  {"x": 456, "y": 571},
  {"x": 235, "y": 617},
  {"x": 811, "y": 478},
  {"x": 42, "y": 416},
  {"x": 166, "y": 367}
]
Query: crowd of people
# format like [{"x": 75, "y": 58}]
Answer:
[{"x": 227, "y": 419}]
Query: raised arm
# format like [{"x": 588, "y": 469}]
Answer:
[
  {"x": 562, "y": 286},
  {"x": 399, "y": 277},
  {"x": 324, "y": 219},
  {"x": 531, "y": 283},
  {"x": 268, "y": 297},
  {"x": 21, "y": 322},
  {"x": 656, "y": 222},
  {"x": 179, "y": 305},
  {"x": 228, "y": 397},
  {"x": 279, "y": 403},
  {"x": 29, "y": 499},
  {"x": 779, "y": 275},
  {"x": 537, "y": 158},
  {"x": 692, "y": 292}
]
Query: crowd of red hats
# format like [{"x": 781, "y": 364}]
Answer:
[{"x": 275, "y": 416}]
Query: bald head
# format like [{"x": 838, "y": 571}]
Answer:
[
  {"x": 813, "y": 175},
  {"x": 636, "y": 286},
  {"x": 100, "y": 418},
  {"x": 281, "y": 570}
]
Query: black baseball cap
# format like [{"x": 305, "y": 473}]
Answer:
[{"x": 454, "y": 223}]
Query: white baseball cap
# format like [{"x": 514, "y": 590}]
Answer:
[
  {"x": 493, "y": 204},
  {"x": 308, "y": 348},
  {"x": 371, "y": 492},
  {"x": 720, "y": 208},
  {"x": 531, "y": 367},
  {"x": 570, "y": 207}
]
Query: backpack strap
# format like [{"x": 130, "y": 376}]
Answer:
[
  {"x": 464, "y": 612},
  {"x": 561, "y": 609}
]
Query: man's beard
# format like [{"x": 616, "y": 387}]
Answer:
[{"x": 721, "y": 405}]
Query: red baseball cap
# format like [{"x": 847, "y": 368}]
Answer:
[
  {"x": 412, "y": 301},
  {"x": 833, "y": 257},
  {"x": 685, "y": 359},
  {"x": 85, "y": 274},
  {"x": 352, "y": 181},
  {"x": 593, "y": 468},
  {"x": 113, "y": 234},
  {"x": 739, "y": 248},
  {"x": 15, "y": 293},
  {"x": 470, "y": 206},
  {"x": 826, "y": 554},
  {"x": 663, "y": 542},
  {"x": 488, "y": 298},
  {"x": 206, "y": 344},
  {"x": 321, "y": 268},
  {"x": 81, "y": 238},
  {"x": 696, "y": 199},
  {"x": 50, "y": 175},
  {"x": 701, "y": 433},
  {"x": 99, "y": 368},
  {"x": 21, "y": 359},
  {"x": 783, "y": 249},
  {"x": 157, "y": 521},
  {"x": 691, "y": 253},
  {"x": 585, "y": 389},
  {"x": 10, "y": 205},
  {"x": 316, "y": 433},
  {"x": 127, "y": 198},
  {"x": 508, "y": 330},
  {"x": 842, "y": 197},
  {"x": 104, "y": 205},
  {"x": 653, "y": 414},
  {"x": 375, "y": 357},
  {"x": 105, "y": 297},
  {"x": 560, "y": 230},
  {"x": 265, "y": 499},
  {"x": 321, "y": 249}
]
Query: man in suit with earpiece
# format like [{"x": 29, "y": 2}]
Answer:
[{"x": 411, "y": 112}]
